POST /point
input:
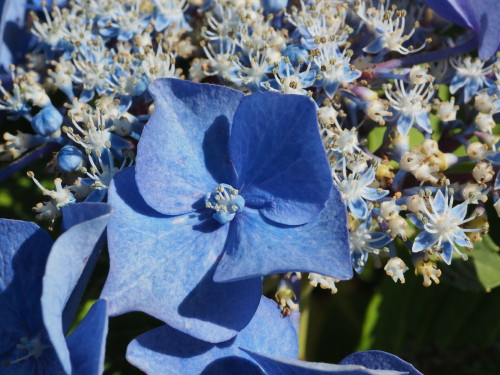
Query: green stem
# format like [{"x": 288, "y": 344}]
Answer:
[{"x": 305, "y": 308}]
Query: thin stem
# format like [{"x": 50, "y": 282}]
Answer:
[{"x": 305, "y": 309}]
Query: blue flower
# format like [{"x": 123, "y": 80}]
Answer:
[
  {"x": 365, "y": 241},
  {"x": 334, "y": 68},
  {"x": 167, "y": 242},
  {"x": 33, "y": 324},
  {"x": 355, "y": 190},
  {"x": 411, "y": 105},
  {"x": 471, "y": 74},
  {"x": 170, "y": 13},
  {"x": 440, "y": 226},
  {"x": 481, "y": 16}
]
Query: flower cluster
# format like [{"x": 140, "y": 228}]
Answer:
[{"x": 234, "y": 140}]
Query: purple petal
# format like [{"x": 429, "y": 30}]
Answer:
[
  {"x": 278, "y": 155},
  {"x": 183, "y": 152}
]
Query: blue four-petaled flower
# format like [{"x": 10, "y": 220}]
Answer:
[{"x": 168, "y": 244}]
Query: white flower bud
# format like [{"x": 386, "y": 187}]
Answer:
[
  {"x": 395, "y": 268},
  {"x": 476, "y": 151},
  {"x": 484, "y": 102},
  {"x": 483, "y": 172},
  {"x": 447, "y": 111},
  {"x": 430, "y": 147},
  {"x": 485, "y": 122},
  {"x": 327, "y": 115},
  {"x": 419, "y": 75},
  {"x": 410, "y": 161}
]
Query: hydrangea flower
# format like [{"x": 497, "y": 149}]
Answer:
[
  {"x": 364, "y": 241},
  {"x": 33, "y": 324},
  {"x": 227, "y": 188},
  {"x": 355, "y": 189},
  {"x": 481, "y": 16}
]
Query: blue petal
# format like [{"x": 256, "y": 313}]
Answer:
[
  {"x": 257, "y": 246},
  {"x": 13, "y": 36},
  {"x": 461, "y": 239},
  {"x": 472, "y": 88},
  {"x": 458, "y": 212},
  {"x": 68, "y": 270},
  {"x": 163, "y": 265},
  {"x": 494, "y": 158},
  {"x": 20, "y": 275},
  {"x": 165, "y": 350},
  {"x": 330, "y": 88},
  {"x": 358, "y": 207},
  {"x": 375, "y": 46},
  {"x": 424, "y": 240},
  {"x": 358, "y": 260},
  {"x": 273, "y": 365},
  {"x": 24, "y": 249},
  {"x": 455, "y": 11},
  {"x": 183, "y": 152},
  {"x": 379, "y": 360},
  {"x": 379, "y": 240},
  {"x": 278, "y": 155},
  {"x": 87, "y": 342},
  {"x": 439, "y": 203},
  {"x": 497, "y": 182},
  {"x": 457, "y": 82},
  {"x": 86, "y": 95},
  {"x": 489, "y": 35},
  {"x": 415, "y": 221},
  {"x": 447, "y": 252},
  {"x": 405, "y": 122},
  {"x": 75, "y": 214},
  {"x": 373, "y": 194},
  {"x": 96, "y": 196},
  {"x": 422, "y": 119}
]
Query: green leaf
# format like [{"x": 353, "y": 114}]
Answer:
[
  {"x": 480, "y": 273},
  {"x": 487, "y": 262}
]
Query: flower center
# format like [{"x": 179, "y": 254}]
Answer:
[
  {"x": 31, "y": 347},
  {"x": 225, "y": 201}
]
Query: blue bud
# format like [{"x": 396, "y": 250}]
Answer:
[
  {"x": 69, "y": 159},
  {"x": 274, "y": 6},
  {"x": 47, "y": 121}
]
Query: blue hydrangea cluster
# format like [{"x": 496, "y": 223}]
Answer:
[{"x": 220, "y": 142}]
